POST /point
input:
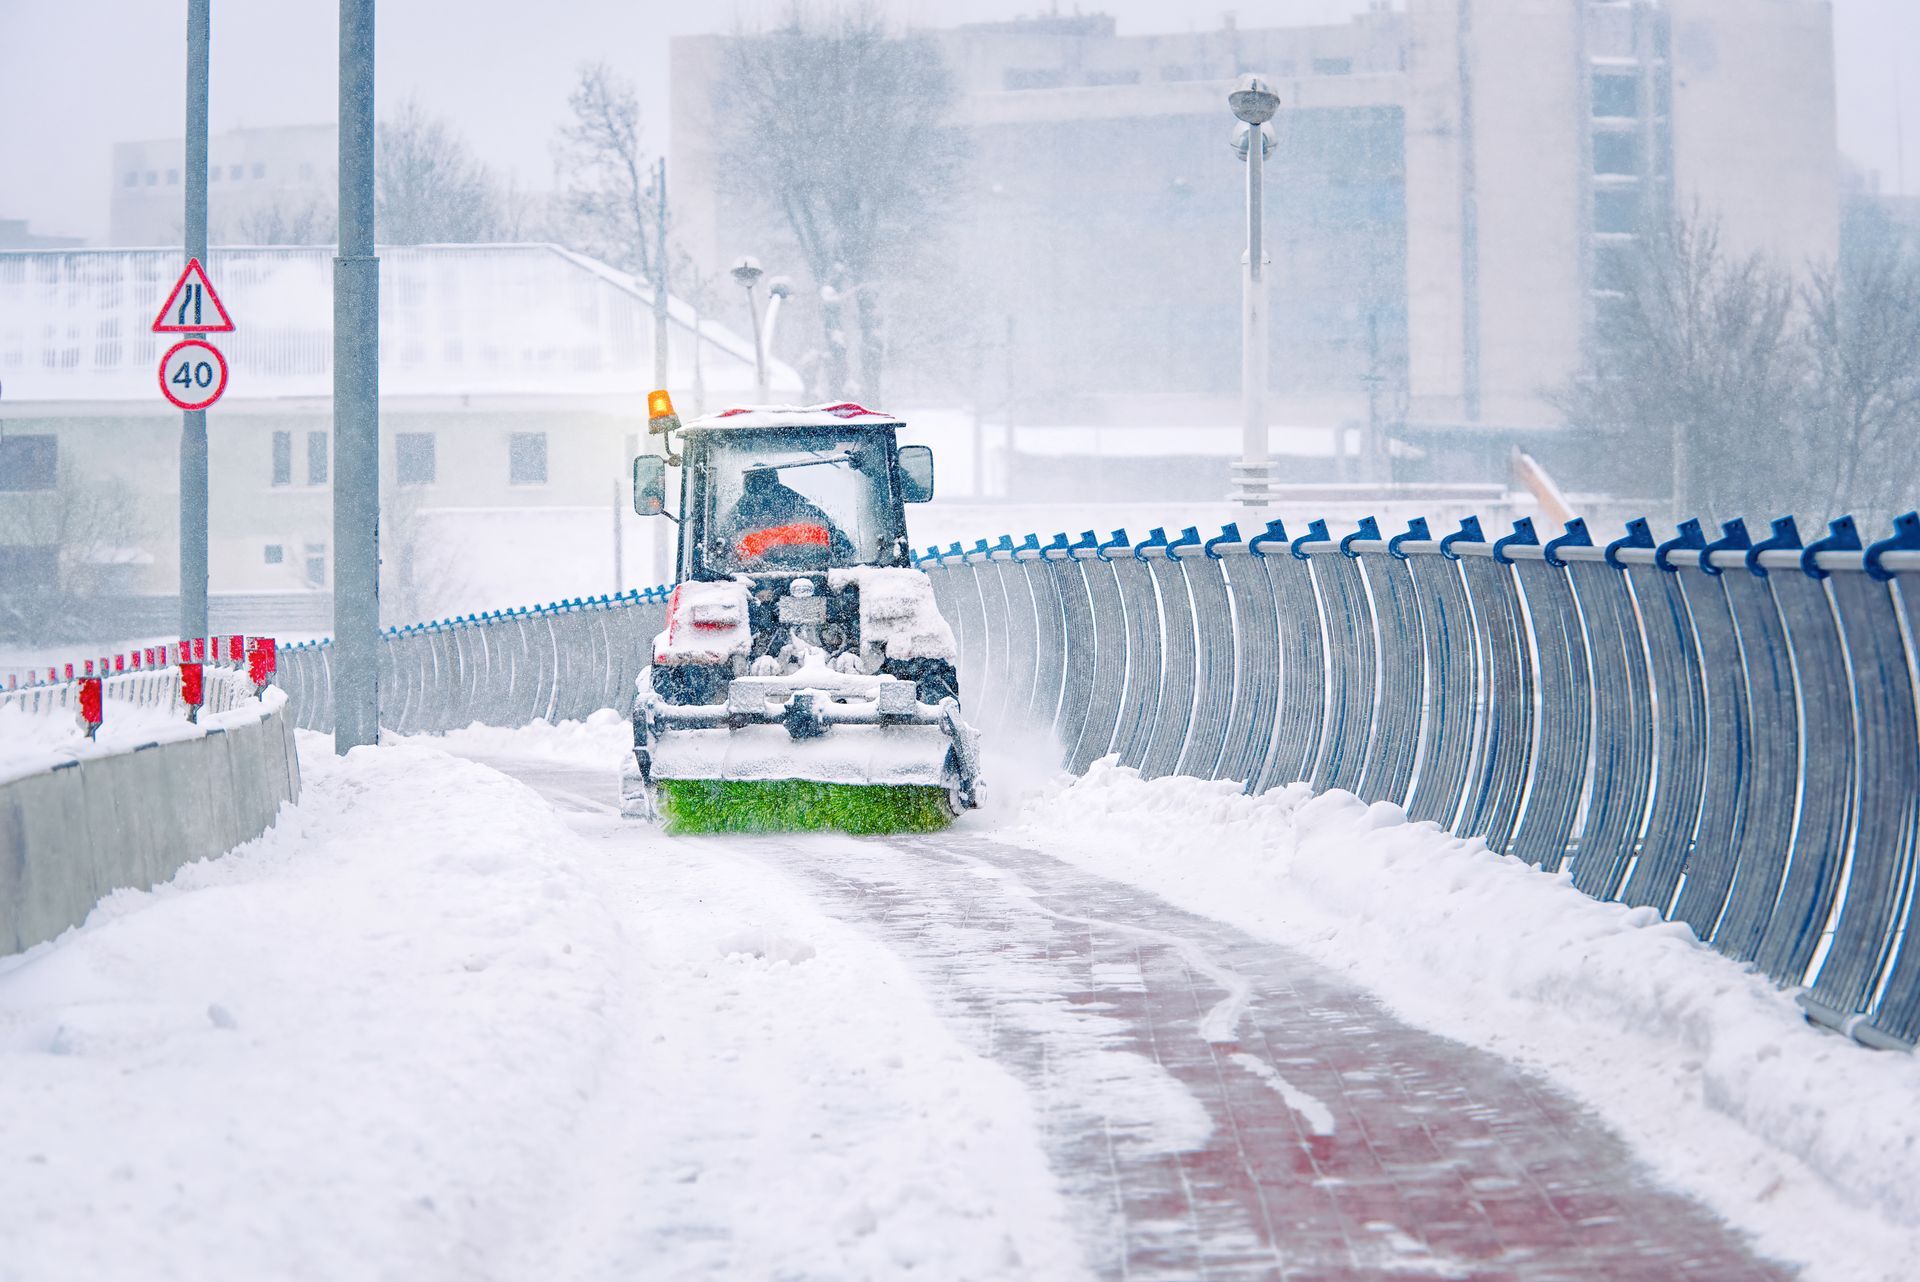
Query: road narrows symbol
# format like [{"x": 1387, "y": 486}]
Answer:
[{"x": 193, "y": 306}]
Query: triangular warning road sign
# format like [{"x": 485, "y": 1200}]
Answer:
[{"x": 192, "y": 307}]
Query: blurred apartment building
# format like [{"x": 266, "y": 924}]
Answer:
[
  {"x": 257, "y": 181},
  {"x": 513, "y": 383},
  {"x": 1456, "y": 190}
]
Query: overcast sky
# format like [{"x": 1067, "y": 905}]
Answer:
[{"x": 78, "y": 75}]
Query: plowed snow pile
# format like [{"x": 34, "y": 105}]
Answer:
[
  {"x": 1805, "y": 1140},
  {"x": 425, "y": 1030}
]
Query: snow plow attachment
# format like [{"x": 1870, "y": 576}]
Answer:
[{"x": 813, "y": 749}]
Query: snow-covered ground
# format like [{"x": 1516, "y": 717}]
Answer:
[
  {"x": 447, "y": 1032},
  {"x": 1803, "y": 1139},
  {"x": 426, "y": 1029}
]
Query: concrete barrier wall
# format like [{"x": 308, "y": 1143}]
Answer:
[{"x": 99, "y": 822}]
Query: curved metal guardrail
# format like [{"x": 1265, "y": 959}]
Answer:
[
  {"x": 505, "y": 668},
  {"x": 1724, "y": 731}
]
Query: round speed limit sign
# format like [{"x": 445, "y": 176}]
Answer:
[{"x": 193, "y": 373}]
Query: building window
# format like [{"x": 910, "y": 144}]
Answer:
[
  {"x": 316, "y": 458},
  {"x": 259, "y": 170},
  {"x": 213, "y": 173},
  {"x": 173, "y": 177},
  {"x": 1333, "y": 66},
  {"x": 1616, "y": 210},
  {"x": 527, "y": 458},
  {"x": 283, "y": 458},
  {"x": 1612, "y": 319},
  {"x": 275, "y": 553},
  {"x": 29, "y": 563},
  {"x": 133, "y": 178},
  {"x": 1614, "y": 267},
  {"x": 1131, "y": 76},
  {"x": 236, "y": 172},
  {"x": 306, "y": 169},
  {"x": 153, "y": 177},
  {"x": 413, "y": 458},
  {"x": 1616, "y": 153},
  {"x": 1034, "y": 78},
  {"x": 1616, "y": 96},
  {"x": 317, "y": 564},
  {"x": 28, "y": 463}
]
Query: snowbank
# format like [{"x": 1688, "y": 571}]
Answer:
[
  {"x": 604, "y": 739},
  {"x": 1809, "y": 1142},
  {"x": 425, "y": 1029}
]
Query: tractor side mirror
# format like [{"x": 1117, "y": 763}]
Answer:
[
  {"x": 650, "y": 485},
  {"x": 916, "y": 474}
]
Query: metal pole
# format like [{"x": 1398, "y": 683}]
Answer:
[
  {"x": 193, "y": 423},
  {"x": 660, "y": 317},
  {"x": 662, "y": 556},
  {"x": 759, "y": 350},
  {"x": 619, "y": 554},
  {"x": 1253, "y": 339},
  {"x": 356, "y": 400}
]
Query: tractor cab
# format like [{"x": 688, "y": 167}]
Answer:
[{"x": 786, "y": 491}]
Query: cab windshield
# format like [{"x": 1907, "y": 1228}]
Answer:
[{"x": 798, "y": 500}]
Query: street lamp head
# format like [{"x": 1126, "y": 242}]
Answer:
[
  {"x": 780, "y": 287},
  {"x": 1241, "y": 134},
  {"x": 1254, "y": 101},
  {"x": 747, "y": 270}
]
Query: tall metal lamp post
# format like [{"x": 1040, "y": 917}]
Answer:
[
  {"x": 1254, "y": 103},
  {"x": 193, "y": 423},
  {"x": 747, "y": 272},
  {"x": 356, "y": 400}
]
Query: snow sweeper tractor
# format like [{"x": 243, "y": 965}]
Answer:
[{"x": 805, "y": 677}]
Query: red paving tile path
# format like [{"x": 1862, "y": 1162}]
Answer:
[
  {"x": 1391, "y": 1154},
  {"x": 1343, "y": 1144}
]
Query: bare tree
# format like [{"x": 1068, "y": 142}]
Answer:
[
  {"x": 1694, "y": 364},
  {"x": 72, "y": 547},
  {"x": 1763, "y": 393},
  {"x": 428, "y": 187},
  {"x": 311, "y": 221},
  {"x": 839, "y": 128},
  {"x": 422, "y": 574},
  {"x": 1863, "y": 341},
  {"x": 608, "y": 202}
]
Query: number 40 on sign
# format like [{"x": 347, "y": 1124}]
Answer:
[{"x": 193, "y": 373}]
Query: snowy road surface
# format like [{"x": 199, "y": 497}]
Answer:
[
  {"x": 448, "y": 1024},
  {"x": 1213, "y": 1106}
]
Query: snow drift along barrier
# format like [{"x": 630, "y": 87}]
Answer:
[
  {"x": 508, "y": 668},
  {"x": 84, "y": 822},
  {"x": 1722, "y": 731}
]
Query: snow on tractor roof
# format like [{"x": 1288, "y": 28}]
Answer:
[{"x": 835, "y": 415}]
